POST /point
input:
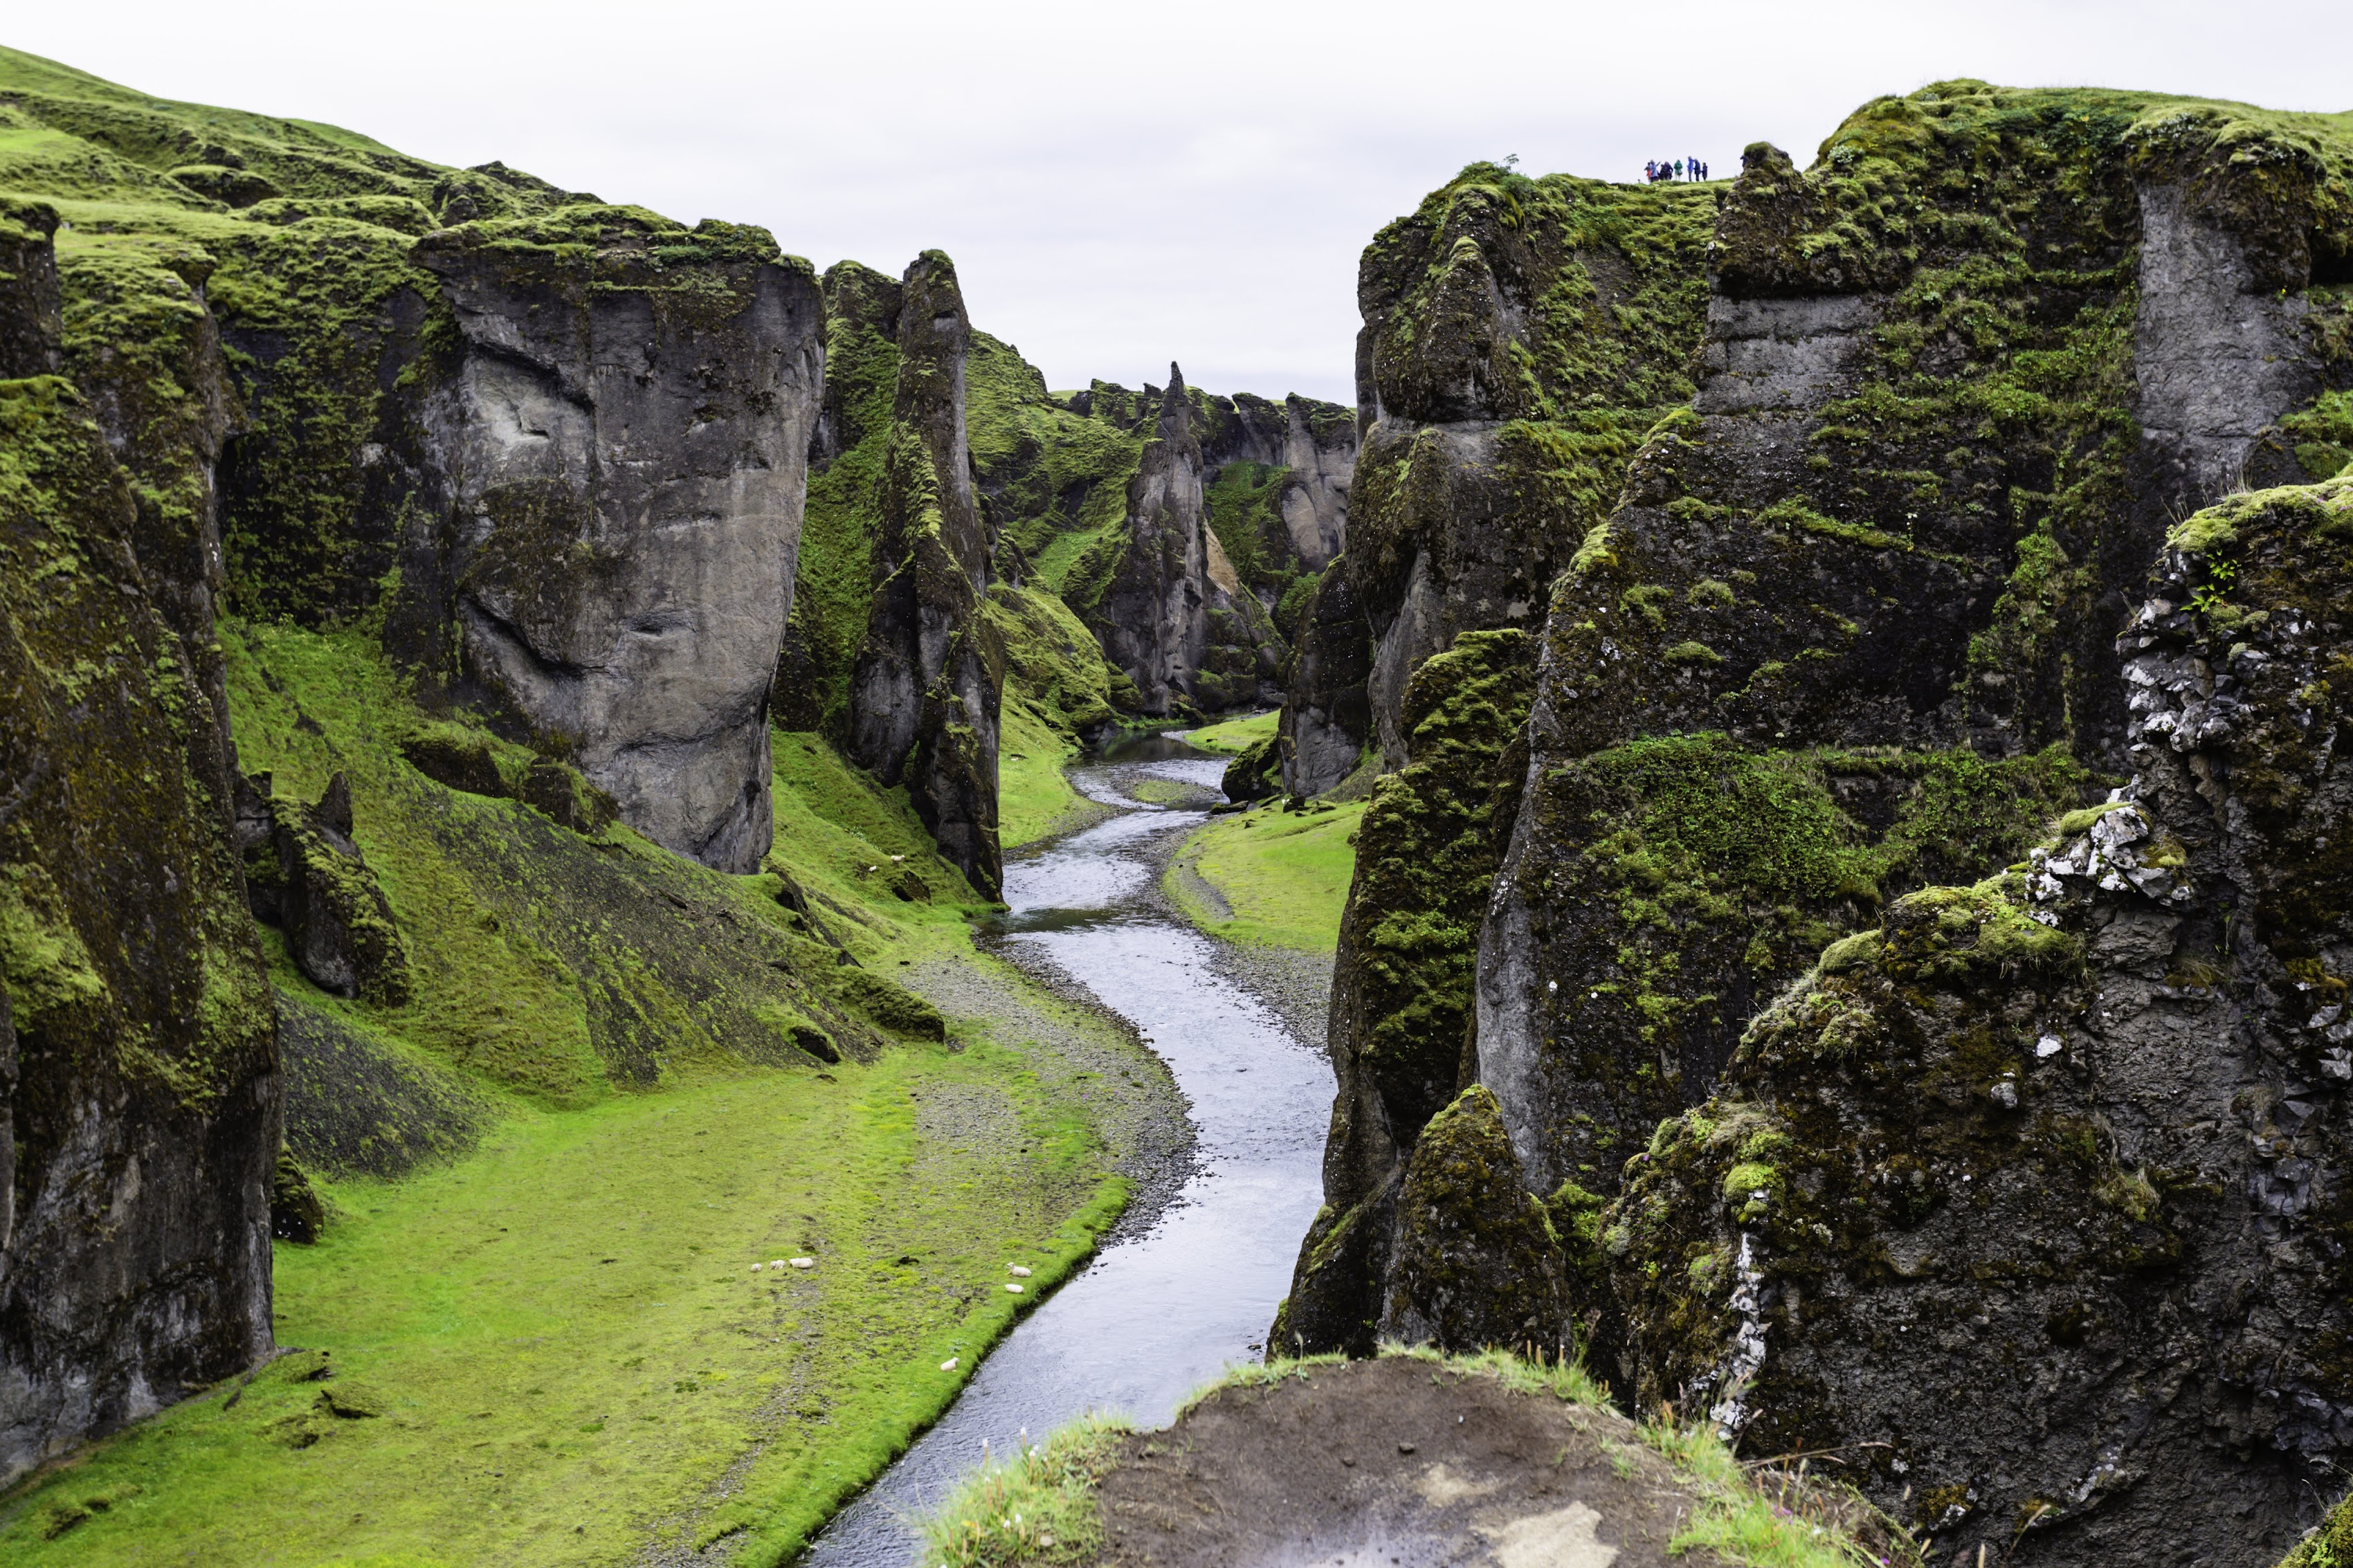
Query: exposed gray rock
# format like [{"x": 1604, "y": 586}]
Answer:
[
  {"x": 620, "y": 444},
  {"x": 2216, "y": 357},
  {"x": 1326, "y": 714}
]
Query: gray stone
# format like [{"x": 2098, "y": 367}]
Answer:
[{"x": 622, "y": 443}]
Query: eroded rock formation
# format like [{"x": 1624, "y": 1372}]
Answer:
[
  {"x": 139, "y": 1086},
  {"x": 1851, "y": 629},
  {"x": 1174, "y": 614},
  {"x": 2084, "y": 1122},
  {"x": 613, "y": 463},
  {"x": 926, "y": 691}
]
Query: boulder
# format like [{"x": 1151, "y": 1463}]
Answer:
[{"x": 339, "y": 925}]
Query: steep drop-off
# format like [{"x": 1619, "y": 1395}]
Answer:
[
  {"x": 1870, "y": 616},
  {"x": 140, "y": 1099}
]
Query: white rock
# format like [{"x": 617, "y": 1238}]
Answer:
[{"x": 2048, "y": 1045}]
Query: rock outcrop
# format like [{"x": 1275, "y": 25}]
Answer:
[
  {"x": 139, "y": 1087},
  {"x": 2084, "y": 1122},
  {"x": 1894, "y": 515},
  {"x": 1172, "y": 613},
  {"x": 926, "y": 691},
  {"x": 1852, "y": 629},
  {"x": 1520, "y": 337},
  {"x": 614, "y": 454},
  {"x": 1276, "y": 485}
]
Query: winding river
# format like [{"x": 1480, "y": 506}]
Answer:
[{"x": 1157, "y": 1313}]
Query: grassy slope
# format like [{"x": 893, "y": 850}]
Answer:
[
  {"x": 539, "y": 1404},
  {"x": 1235, "y": 735},
  {"x": 1282, "y": 876}
]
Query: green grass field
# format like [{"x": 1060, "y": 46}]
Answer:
[
  {"x": 552, "y": 1348},
  {"x": 1234, "y": 735},
  {"x": 1034, "y": 797},
  {"x": 556, "y": 1348},
  {"x": 1282, "y": 876}
]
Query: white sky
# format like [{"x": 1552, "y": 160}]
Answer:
[{"x": 1123, "y": 185}]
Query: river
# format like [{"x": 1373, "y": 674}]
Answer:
[{"x": 1157, "y": 1313}]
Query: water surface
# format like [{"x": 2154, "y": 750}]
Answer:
[{"x": 1156, "y": 1314}]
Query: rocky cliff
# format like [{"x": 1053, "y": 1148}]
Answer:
[
  {"x": 1521, "y": 336},
  {"x": 1160, "y": 592},
  {"x": 1853, "y": 627},
  {"x": 613, "y": 453},
  {"x": 1924, "y": 470},
  {"x": 926, "y": 690},
  {"x": 2082, "y": 1120},
  {"x": 138, "y": 1060}
]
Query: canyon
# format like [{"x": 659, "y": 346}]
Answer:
[{"x": 1822, "y": 688}]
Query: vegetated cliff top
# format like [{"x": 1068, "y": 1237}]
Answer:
[{"x": 1901, "y": 174}]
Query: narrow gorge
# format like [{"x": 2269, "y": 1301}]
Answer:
[{"x": 650, "y": 898}]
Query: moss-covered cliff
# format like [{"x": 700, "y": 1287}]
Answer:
[
  {"x": 1867, "y": 615},
  {"x": 139, "y": 1085}
]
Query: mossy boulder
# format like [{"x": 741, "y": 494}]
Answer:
[
  {"x": 1255, "y": 773},
  {"x": 296, "y": 1214},
  {"x": 888, "y": 1003},
  {"x": 339, "y": 925},
  {"x": 1476, "y": 1263}
]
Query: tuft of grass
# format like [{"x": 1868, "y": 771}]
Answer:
[
  {"x": 1035, "y": 1506},
  {"x": 1282, "y": 876},
  {"x": 1774, "y": 1514}
]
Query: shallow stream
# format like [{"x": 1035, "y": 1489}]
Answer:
[{"x": 1156, "y": 1313}]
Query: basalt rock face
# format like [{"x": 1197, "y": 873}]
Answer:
[
  {"x": 1173, "y": 614},
  {"x": 1327, "y": 710},
  {"x": 1520, "y": 337},
  {"x": 138, "y": 1063},
  {"x": 1401, "y": 983},
  {"x": 613, "y": 457},
  {"x": 1955, "y": 380},
  {"x": 1277, "y": 491},
  {"x": 926, "y": 691},
  {"x": 2084, "y": 1122}
]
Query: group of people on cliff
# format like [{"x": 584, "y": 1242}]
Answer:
[{"x": 1681, "y": 169}]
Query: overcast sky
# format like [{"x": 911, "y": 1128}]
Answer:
[{"x": 1124, "y": 184}]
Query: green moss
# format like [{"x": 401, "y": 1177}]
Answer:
[{"x": 1428, "y": 847}]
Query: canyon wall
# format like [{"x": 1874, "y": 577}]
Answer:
[
  {"x": 140, "y": 1097},
  {"x": 927, "y": 684},
  {"x": 615, "y": 454},
  {"x": 1850, "y": 629}
]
